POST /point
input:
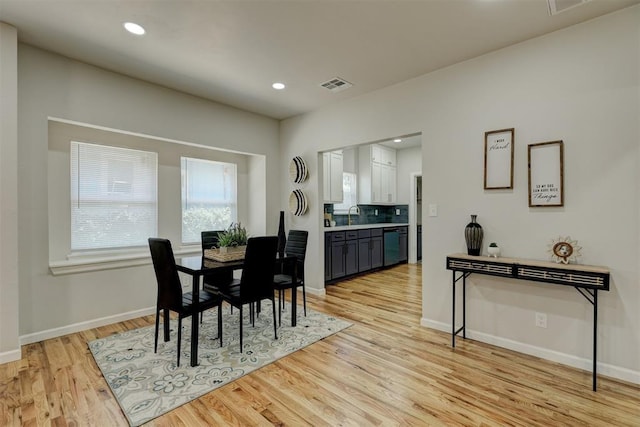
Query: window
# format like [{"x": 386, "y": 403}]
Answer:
[
  {"x": 113, "y": 197},
  {"x": 349, "y": 191},
  {"x": 209, "y": 199}
]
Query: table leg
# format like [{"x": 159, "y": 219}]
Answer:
[
  {"x": 595, "y": 337},
  {"x": 195, "y": 323},
  {"x": 453, "y": 310}
]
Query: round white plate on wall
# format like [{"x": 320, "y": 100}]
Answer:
[
  {"x": 297, "y": 203},
  {"x": 298, "y": 171}
]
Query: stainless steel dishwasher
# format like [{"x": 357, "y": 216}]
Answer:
[{"x": 391, "y": 246}]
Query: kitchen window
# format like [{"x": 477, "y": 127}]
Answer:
[
  {"x": 349, "y": 192},
  {"x": 209, "y": 197},
  {"x": 113, "y": 197}
]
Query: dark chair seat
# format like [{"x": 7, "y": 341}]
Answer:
[{"x": 171, "y": 297}]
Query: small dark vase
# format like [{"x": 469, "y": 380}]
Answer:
[
  {"x": 473, "y": 235},
  {"x": 282, "y": 237}
]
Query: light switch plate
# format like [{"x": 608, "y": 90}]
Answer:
[{"x": 433, "y": 210}]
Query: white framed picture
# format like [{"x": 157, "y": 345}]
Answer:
[
  {"x": 498, "y": 159},
  {"x": 546, "y": 174}
]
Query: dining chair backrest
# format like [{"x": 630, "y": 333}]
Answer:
[
  {"x": 209, "y": 239},
  {"x": 259, "y": 267},
  {"x": 297, "y": 246},
  {"x": 164, "y": 264}
]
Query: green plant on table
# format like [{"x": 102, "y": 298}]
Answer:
[
  {"x": 235, "y": 235},
  {"x": 493, "y": 245}
]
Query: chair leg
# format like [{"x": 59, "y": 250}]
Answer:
[
  {"x": 304, "y": 300},
  {"x": 273, "y": 305},
  {"x": 166, "y": 317},
  {"x": 280, "y": 291},
  {"x": 179, "y": 338},
  {"x": 155, "y": 345},
  {"x": 240, "y": 310}
]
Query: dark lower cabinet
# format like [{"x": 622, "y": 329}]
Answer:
[
  {"x": 403, "y": 241},
  {"x": 370, "y": 254},
  {"x": 419, "y": 243},
  {"x": 364, "y": 254},
  {"x": 351, "y": 256},
  {"x": 344, "y": 254},
  {"x": 351, "y": 252},
  {"x": 327, "y": 256}
]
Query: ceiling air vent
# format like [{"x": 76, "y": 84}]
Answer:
[
  {"x": 336, "y": 84},
  {"x": 557, "y": 6}
]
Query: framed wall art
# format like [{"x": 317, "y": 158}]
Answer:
[
  {"x": 498, "y": 159},
  {"x": 546, "y": 174}
]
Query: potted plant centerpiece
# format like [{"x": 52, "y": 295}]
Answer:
[{"x": 233, "y": 239}]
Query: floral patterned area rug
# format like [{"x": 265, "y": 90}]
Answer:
[{"x": 148, "y": 384}]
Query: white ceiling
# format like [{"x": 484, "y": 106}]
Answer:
[{"x": 231, "y": 51}]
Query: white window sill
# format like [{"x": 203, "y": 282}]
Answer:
[{"x": 83, "y": 264}]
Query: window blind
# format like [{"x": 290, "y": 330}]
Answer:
[
  {"x": 113, "y": 196},
  {"x": 209, "y": 197}
]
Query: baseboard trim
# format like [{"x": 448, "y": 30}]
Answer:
[
  {"x": 83, "y": 326},
  {"x": 605, "y": 369},
  {"x": 313, "y": 291},
  {"x": 10, "y": 356}
]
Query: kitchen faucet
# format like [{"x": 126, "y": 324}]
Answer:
[{"x": 349, "y": 212}]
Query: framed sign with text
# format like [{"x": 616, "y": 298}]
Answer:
[
  {"x": 498, "y": 159},
  {"x": 546, "y": 174}
]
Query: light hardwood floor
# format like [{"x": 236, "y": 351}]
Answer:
[{"x": 384, "y": 370}]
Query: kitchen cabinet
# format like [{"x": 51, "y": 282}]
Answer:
[
  {"x": 344, "y": 254},
  {"x": 419, "y": 245},
  {"x": 377, "y": 175},
  {"x": 354, "y": 251},
  {"x": 327, "y": 256},
  {"x": 403, "y": 242},
  {"x": 369, "y": 249},
  {"x": 332, "y": 168}
]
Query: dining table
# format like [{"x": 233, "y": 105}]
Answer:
[{"x": 197, "y": 266}]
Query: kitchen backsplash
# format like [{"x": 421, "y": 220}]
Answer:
[{"x": 385, "y": 214}]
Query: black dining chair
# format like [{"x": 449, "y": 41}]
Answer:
[
  {"x": 214, "y": 281},
  {"x": 256, "y": 282},
  {"x": 170, "y": 295},
  {"x": 296, "y": 246}
]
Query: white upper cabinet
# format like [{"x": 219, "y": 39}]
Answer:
[
  {"x": 332, "y": 166},
  {"x": 377, "y": 175}
]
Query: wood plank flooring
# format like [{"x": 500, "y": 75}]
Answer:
[{"x": 385, "y": 370}]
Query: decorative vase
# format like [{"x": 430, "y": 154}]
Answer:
[
  {"x": 282, "y": 238},
  {"x": 473, "y": 235},
  {"x": 493, "y": 251}
]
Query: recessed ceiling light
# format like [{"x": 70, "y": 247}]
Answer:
[
  {"x": 278, "y": 86},
  {"x": 134, "y": 28},
  {"x": 397, "y": 140}
]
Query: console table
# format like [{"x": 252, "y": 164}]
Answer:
[{"x": 587, "y": 280}]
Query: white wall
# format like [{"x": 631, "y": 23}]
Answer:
[
  {"x": 580, "y": 85},
  {"x": 53, "y": 86},
  {"x": 9, "y": 345},
  {"x": 409, "y": 162}
]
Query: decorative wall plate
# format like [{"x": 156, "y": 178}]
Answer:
[
  {"x": 298, "y": 170},
  {"x": 297, "y": 203},
  {"x": 563, "y": 250}
]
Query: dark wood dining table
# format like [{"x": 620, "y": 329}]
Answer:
[{"x": 197, "y": 266}]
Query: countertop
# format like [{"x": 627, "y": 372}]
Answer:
[{"x": 365, "y": 226}]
